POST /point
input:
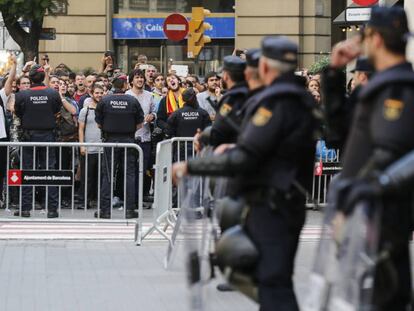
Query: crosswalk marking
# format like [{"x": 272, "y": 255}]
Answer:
[{"x": 62, "y": 231}]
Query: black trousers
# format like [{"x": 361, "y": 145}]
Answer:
[
  {"x": 92, "y": 170},
  {"x": 393, "y": 278},
  {"x": 276, "y": 235},
  {"x": 42, "y": 157},
  {"x": 107, "y": 174}
]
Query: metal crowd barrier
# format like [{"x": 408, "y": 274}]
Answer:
[
  {"x": 63, "y": 175},
  {"x": 166, "y": 196},
  {"x": 326, "y": 168}
]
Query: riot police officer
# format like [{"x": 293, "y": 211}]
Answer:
[
  {"x": 37, "y": 108},
  {"x": 119, "y": 116},
  {"x": 226, "y": 125},
  {"x": 339, "y": 110},
  {"x": 255, "y": 84},
  {"x": 272, "y": 159},
  {"x": 381, "y": 134}
]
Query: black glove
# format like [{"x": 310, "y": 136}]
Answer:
[{"x": 361, "y": 190}]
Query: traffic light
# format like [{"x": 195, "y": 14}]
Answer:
[{"x": 196, "y": 38}]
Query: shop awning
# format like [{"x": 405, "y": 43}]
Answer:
[{"x": 341, "y": 18}]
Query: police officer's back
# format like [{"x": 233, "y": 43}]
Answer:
[
  {"x": 37, "y": 109},
  {"x": 185, "y": 121},
  {"x": 380, "y": 135},
  {"x": 119, "y": 116}
]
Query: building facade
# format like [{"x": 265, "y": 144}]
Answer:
[
  {"x": 307, "y": 22},
  {"x": 138, "y": 29},
  {"x": 83, "y": 34}
]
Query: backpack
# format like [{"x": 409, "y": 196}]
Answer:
[{"x": 67, "y": 126}]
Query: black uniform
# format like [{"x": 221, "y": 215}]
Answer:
[
  {"x": 118, "y": 115},
  {"x": 382, "y": 133},
  {"x": 226, "y": 126},
  {"x": 185, "y": 121},
  {"x": 37, "y": 109},
  {"x": 273, "y": 154}
]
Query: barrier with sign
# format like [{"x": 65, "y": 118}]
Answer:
[
  {"x": 166, "y": 196},
  {"x": 37, "y": 180},
  {"x": 326, "y": 168}
]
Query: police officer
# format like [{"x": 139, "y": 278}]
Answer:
[
  {"x": 226, "y": 125},
  {"x": 381, "y": 133},
  {"x": 255, "y": 84},
  {"x": 119, "y": 116},
  {"x": 185, "y": 121},
  {"x": 340, "y": 109},
  {"x": 273, "y": 157},
  {"x": 37, "y": 108}
]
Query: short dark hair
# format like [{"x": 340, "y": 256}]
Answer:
[
  {"x": 97, "y": 86},
  {"x": 118, "y": 84},
  {"x": 38, "y": 77},
  {"x": 211, "y": 74},
  {"x": 236, "y": 76},
  {"x": 102, "y": 75},
  {"x": 136, "y": 72},
  {"x": 394, "y": 42}
]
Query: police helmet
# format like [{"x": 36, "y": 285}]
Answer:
[
  {"x": 229, "y": 212},
  {"x": 236, "y": 250}
]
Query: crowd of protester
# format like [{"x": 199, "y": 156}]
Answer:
[{"x": 164, "y": 99}]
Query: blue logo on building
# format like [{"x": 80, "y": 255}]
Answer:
[{"x": 152, "y": 28}]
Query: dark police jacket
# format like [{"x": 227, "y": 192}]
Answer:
[
  {"x": 383, "y": 127},
  {"x": 37, "y": 108},
  {"x": 225, "y": 128},
  {"x": 277, "y": 147},
  {"x": 339, "y": 108},
  {"x": 119, "y": 114},
  {"x": 185, "y": 121}
]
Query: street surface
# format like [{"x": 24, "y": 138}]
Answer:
[{"x": 74, "y": 273}]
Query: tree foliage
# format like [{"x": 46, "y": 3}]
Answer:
[
  {"x": 320, "y": 65},
  {"x": 31, "y": 11}
]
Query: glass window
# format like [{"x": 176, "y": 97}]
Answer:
[
  {"x": 140, "y": 5},
  {"x": 169, "y": 6}
]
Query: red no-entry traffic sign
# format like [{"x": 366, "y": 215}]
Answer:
[
  {"x": 176, "y": 27},
  {"x": 365, "y": 2}
]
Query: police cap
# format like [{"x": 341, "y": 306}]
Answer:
[
  {"x": 252, "y": 57},
  {"x": 393, "y": 18},
  {"x": 280, "y": 48},
  {"x": 234, "y": 64},
  {"x": 362, "y": 64}
]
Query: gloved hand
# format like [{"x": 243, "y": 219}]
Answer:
[{"x": 361, "y": 190}]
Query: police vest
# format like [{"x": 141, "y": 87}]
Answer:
[
  {"x": 119, "y": 114},
  {"x": 40, "y": 105}
]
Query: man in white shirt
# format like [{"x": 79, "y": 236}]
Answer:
[
  {"x": 208, "y": 99},
  {"x": 5, "y": 93},
  {"x": 143, "y": 135}
]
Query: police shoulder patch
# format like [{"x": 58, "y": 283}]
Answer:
[
  {"x": 225, "y": 109},
  {"x": 262, "y": 116},
  {"x": 392, "y": 109}
]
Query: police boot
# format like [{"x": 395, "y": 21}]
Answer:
[
  {"x": 24, "y": 214},
  {"x": 103, "y": 214},
  {"x": 52, "y": 214},
  {"x": 131, "y": 214}
]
